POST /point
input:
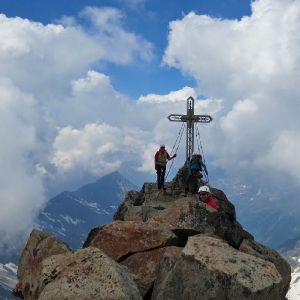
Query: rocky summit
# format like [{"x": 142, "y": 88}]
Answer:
[{"x": 161, "y": 245}]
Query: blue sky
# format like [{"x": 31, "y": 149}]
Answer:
[
  {"x": 150, "y": 19},
  {"x": 86, "y": 89}
]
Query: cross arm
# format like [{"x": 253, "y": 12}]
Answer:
[{"x": 195, "y": 118}]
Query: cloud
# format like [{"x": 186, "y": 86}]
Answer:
[
  {"x": 89, "y": 150},
  {"x": 134, "y": 4},
  {"x": 173, "y": 96},
  {"x": 21, "y": 187},
  {"x": 252, "y": 66},
  {"x": 285, "y": 152},
  {"x": 92, "y": 99},
  {"x": 120, "y": 46},
  {"x": 57, "y": 115},
  {"x": 61, "y": 119}
]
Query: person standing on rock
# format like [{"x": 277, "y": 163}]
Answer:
[
  {"x": 195, "y": 167},
  {"x": 205, "y": 196},
  {"x": 160, "y": 161}
]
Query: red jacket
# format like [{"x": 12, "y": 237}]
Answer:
[
  {"x": 209, "y": 201},
  {"x": 161, "y": 157}
]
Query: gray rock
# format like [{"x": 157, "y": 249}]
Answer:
[
  {"x": 120, "y": 239},
  {"x": 211, "y": 268},
  {"x": 256, "y": 249},
  {"x": 40, "y": 246},
  {"x": 86, "y": 274},
  {"x": 132, "y": 198},
  {"x": 188, "y": 217},
  {"x": 139, "y": 213},
  {"x": 220, "y": 260}
]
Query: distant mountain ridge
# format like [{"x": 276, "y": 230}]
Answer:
[
  {"x": 70, "y": 215},
  {"x": 8, "y": 280},
  {"x": 271, "y": 215}
]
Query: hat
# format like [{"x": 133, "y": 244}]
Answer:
[
  {"x": 204, "y": 189},
  {"x": 162, "y": 146}
]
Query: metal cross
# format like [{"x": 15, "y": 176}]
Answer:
[{"x": 190, "y": 120}]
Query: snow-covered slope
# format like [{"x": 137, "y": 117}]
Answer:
[
  {"x": 293, "y": 258},
  {"x": 294, "y": 291}
]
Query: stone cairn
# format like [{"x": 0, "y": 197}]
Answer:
[{"x": 160, "y": 246}]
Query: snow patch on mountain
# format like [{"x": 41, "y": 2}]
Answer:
[
  {"x": 294, "y": 290},
  {"x": 71, "y": 221},
  {"x": 8, "y": 276},
  {"x": 48, "y": 217},
  {"x": 94, "y": 206}
]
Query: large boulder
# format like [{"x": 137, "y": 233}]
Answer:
[
  {"x": 86, "y": 274},
  {"x": 188, "y": 217},
  {"x": 256, "y": 249},
  {"x": 211, "y": 268},
  {"x": 40, "y": 246},
  {"x": 121, "y": 239},
  {"x": 144, "y": 266}
]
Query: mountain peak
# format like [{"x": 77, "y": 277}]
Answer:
[
  {"x": 168, "y": 243},
  {"x": 71, "y": 215}
]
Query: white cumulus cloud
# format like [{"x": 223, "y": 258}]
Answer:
[
  {"x": 252, "y": 65},
  {"x": 62, "y": 119}
]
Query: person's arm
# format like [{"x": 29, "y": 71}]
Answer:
[
  {"x": 169, "y": 157},
  {"x": 204, "y": 166}
]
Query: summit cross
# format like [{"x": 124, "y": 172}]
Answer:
[{"x": 190, "y": 118}]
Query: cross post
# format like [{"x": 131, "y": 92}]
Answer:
[{"x": 190, "y": 118}]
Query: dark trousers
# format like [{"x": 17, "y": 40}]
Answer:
[
  {"x": 160, "y": 171},
  {"x": 195, "y": 175}
]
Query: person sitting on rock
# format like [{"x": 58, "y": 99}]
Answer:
[
  {"x": 195, "y": 167},
  {"x": 205, "y": 196},
  {"x": 160, "y": 161}
]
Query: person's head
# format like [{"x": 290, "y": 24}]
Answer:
[
  {"x": 162, "y": 147},
  {"x": 203, "y": 192},
  {"x": 195, "y": 155}
]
